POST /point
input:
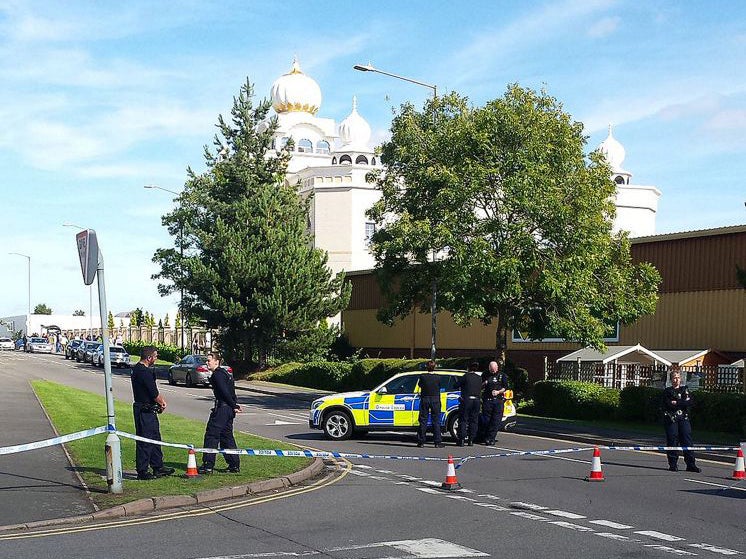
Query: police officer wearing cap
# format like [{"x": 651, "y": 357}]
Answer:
[
  {"x": 494, "y": 385},
  {"x": 219, "y": 430},
  {"x": 148, "y": 404},
  {"x": 676, "y": 403},
  {"x": 430, "y": 405},
  {"x": 471, "y": 386}
]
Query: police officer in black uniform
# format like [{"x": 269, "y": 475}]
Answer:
[
  {"x": 219, "y": 431},
  {"x": 494, "y": 385},
  {"x": 676, "y": 403},
  {"x": 148, "y": 404},
  {"x": 430, "y": 406},
  {"x": 468, "y": 412}
]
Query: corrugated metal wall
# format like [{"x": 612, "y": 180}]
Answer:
[{"x": 701, "y": 304}]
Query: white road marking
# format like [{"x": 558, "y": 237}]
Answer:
[
  {"x": 527, "y": 506},
  {"x": 667, "y": 549},
  {"x": 491, "y": 506},
  {"x": 717, "y": 484},
  {"x": 460, "y": 498},
  {"x": 571, "y": 526},
  {"x": 611, "y": 536},
  {"x": 362, "y": 466},
  {"x": 529, "y": 515},
  {"x": 428, "y": 490},
  {"x": 610, "y": 524},
  {"x": 565, "y": 514},
  {"x": 714, "y": 549},
  {"x": 660, "y": 536},
  {"x": 293, "y": 417},
  {"x": 493, "y": 497},
  {"x": 280, "y": 422},
  {"x": 428, "y": 548}
]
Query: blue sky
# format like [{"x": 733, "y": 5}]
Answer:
[{"x": 100, "y": 98}]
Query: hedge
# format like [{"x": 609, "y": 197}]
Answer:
[
  {"x": 166, "y": 352},
  {"x": 575, "y": 400}
]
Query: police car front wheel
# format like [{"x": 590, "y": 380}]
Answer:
[{"x": 338, "y": 425}]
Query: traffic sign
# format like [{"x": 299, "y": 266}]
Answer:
[{"x": 88, "y": 253}]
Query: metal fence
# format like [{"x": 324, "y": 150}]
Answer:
[{"x": 712, "y": 378}]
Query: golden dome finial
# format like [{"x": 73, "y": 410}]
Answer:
[{"x": 296, "y": 66}]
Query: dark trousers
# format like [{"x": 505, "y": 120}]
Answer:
[
  {"x": 679, "y": 433},
  {"x": 219, "y": 434},
  {"x": 147, "y": 454},
  {"x": 468, "y": 418},
  {"x": 429, "y": 405},
  {"x": 492, "y": 412}
]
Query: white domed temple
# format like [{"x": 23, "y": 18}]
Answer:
[
  {"x": 330, "y": 162},
  {"x": 636, "y": 206}
]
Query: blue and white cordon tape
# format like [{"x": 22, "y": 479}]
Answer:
[{"x": 331, "y": 454}]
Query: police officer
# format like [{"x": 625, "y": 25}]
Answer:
[
  {"x": 468, "y": 411},
  {"x": 219, "y": 431},
  {"x": 148, "y": 404},
  {"x": 494, "y": 385},
  {"x": 676, "y": 403},
  {"x": 430, "y": 405}
]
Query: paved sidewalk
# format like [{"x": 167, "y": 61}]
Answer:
[{"x": 36, "y": 484}]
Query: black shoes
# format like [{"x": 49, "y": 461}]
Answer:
[
  {"x": 204, "y": 470},
  {"x": 694, "y": 469},
  {"x": 420, "y": 445},
  {"x": 460, "y": 443},
  {"x": 233, "y": 470},
  {"x": 673, "y": 468},
  {"x": 489, "y": 443},
  {"x": 163, "y": 471},
  {"x": 439, "y": 445},
  {"x": 147, "y": 476},
  {"x": 470, "y": 443}
]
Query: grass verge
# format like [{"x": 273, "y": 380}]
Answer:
[{"x": 74, "y": 410}]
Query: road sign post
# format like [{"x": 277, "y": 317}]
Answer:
[{"x": 92, "y": 266}]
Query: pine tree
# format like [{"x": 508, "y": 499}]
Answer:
[
  {"x": 249, "y": 265},
  {"x": 110, "y": 321},
  {"x": 165, "y": 321}
]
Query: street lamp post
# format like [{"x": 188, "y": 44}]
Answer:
[
  {"x": 181, "y": 257},
  {"x": 28, "y": 317},
  {"x": 433, "y": 305},
  {"x": 90, "y": 289}
]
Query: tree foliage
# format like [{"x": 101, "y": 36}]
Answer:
[
  {"x": 78, "y": 312},
  {"x": 42, "y": 308},
  {"x": 503, "y": 209},
  {"x": 110, "y": 322},
  {"x": 249, "y": 267}
]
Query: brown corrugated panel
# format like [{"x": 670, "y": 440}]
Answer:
[{"x": 694, "y": 263}]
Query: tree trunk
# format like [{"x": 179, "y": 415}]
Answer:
[{"x": 501, "y": 340}]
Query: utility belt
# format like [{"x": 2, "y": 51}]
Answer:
[
  {"x": 672, "y": 416},
  {"x": 221, "y": 404},
  {"x": 149, "y": 408}
]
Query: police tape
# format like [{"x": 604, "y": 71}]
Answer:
[
  {"x": 282, "y": 453},
  {"x": 54, "y": 441}
]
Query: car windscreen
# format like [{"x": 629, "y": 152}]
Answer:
[
  {"x": 38, "y": 341},
  {"x": 5, "y": 340},
  {"x": 116, "y": 350}
]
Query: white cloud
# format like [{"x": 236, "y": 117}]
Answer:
[{"x": 604, "y": 27}]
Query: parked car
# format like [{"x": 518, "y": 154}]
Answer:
[
  {"x": 7, "y": 343},
  {"x": 71, "y": 348},
  {"x": 91, "y": 351},
  {"x": 191, "y": 370},
  {"x": 393, "y": 406},
  {"x": 83, "y": 349},
  {"x": 118, "y": 356},
  {"x": 38, "y": 345}
]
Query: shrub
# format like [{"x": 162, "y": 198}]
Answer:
[
  {"x": 719, "y": 412},
  {"x": 575, "y": 400},
  {"x": 640, "y": 403},
  {"x": 166, "y": 352}
]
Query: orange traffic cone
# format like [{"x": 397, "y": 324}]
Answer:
[
  {"x": 451, "y": 482},
  {"x": 191, "y": 471},
  {"x": 739, "y": 472},
  {"x": 596, "y": 473}
]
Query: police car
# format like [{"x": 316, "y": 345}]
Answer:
[{"x": 392, "y": 406}]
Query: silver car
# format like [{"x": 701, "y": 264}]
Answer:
[
  {"x": 118, "y": 356},
  {"x": 7, "y": 343},
  {"x": 191, "y": 370},
  {"x": 38, "y": 345}
]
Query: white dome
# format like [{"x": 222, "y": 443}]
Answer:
[
  {"x": 296, "y": 92},
  {"x": 613, "y": 152},
  {"x": 354, "y": 130}
]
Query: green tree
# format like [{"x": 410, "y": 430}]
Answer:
[
  {"x": 165, "y": 321},
  {"x": 137, "y": 317},
  {"x": 42, "y": 308},
  {"x": 110, "y": 322},
  {"x": 518, "y": 217},
  {"x": 249, "y": 267},
  {"x": 78, "y": 312}
]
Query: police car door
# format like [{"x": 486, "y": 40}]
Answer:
[{"x": 394, "y": 403}]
